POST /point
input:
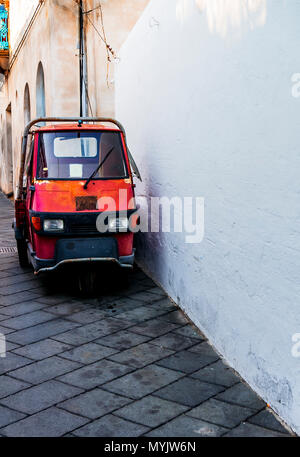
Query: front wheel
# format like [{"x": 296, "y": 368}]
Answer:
[
  {"x": 22, "y": 253},
  {"x": 87, "y": 282}
]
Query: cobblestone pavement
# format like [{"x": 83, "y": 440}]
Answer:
[{"x": 125, "y": 364}]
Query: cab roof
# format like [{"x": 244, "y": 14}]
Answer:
[{"x": 74, "y": 126}]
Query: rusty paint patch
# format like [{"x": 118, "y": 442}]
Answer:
[{"x": 86, "y": 203}]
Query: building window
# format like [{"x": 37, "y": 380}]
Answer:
[
  {"x": 40, "y": 92},
  {"x": 27, "y": 111},
  {"x": 3, "y": 28}
]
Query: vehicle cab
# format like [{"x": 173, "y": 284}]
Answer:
[{"x": 70, "y": 174}]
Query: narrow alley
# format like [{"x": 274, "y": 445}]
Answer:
[{"x": 125, "y": 364}]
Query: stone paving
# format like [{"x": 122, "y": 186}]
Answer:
[{"x": 127, "y": 363}]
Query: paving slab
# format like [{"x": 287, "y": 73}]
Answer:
[
  {"x": 4, "y": 273},
  {"x": 67, "y": 309},
  {"x": 23, "y": 286},
  {"x": 10, "y": 346},
  {"x": 147, "y": 296},
  {"x": 5, "y": 330},
  {"x": 15, "y": 279},
  {"x": 52, "y": 422},
  {"x": 177, "y": 317},
  {"x": 164, "y": 304},
  {"x": 153, "y": 288},
  {"x": 9, "y": 386},
  {"x": 95, "y": 374},
  {"x": 19, "y": 297},
  {"x": 175, "y": 342},
  {"x": 111, "y": 426},
  {"x": 241, "y": 394},
  {"x": 217, "y": 373},
  {"x": 53, "y": 299},
  {"x": 140, "y": 314},
  {"x": 185, "y": 361},
  {"x": 44, "y": 370},
  {"x": 267, "y": 420},
  {"x": 141, "y": 355},
  {"x": 95, "y": 403},
  {"x": 42, "y": 349},
  {"x": 88, "y": 353},
  {"x": 249, "y": 430},
  {"x": 40, "y": 397},
  {"x": 118, "y": 304},
  {"x": 143, "y": 381},
  {"x": 87, "y": 333},
  {"x": 136, "y": 286},
  {"x": 122, "y": 340},
  {"x": 189, "y": 331},
  {"x": 185, "y": 426},
  {"x": 154, "y": 328},
  {"x": 27, "y": 320},
  {"x": 22, "y": 308},
  {"x": 41, "y": 331},
  {"x": 12, "y": 362},
  {"x": 7, "y": 416},
  {"x": 204, "y": 349},
  {"x": 188, "y": 391},
  {"x": 87, "y": 316},
  {"x": 220, "y": 413},
  {"x": 151, "y": 411}
]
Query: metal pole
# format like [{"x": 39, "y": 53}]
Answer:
[{"x": 81, "y": 55}]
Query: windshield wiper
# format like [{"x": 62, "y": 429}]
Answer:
[{"x": 97, "y": 169}]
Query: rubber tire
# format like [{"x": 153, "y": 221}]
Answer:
[
  {"x": 22, "y": 253},
  {"x": 123, "y": 278},
  {"x": 87, "y": 282}
]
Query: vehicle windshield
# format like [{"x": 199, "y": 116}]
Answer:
[{"x": 77, "y": 154}]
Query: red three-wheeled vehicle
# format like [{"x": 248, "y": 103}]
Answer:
[{"x": 71, "y": 172}]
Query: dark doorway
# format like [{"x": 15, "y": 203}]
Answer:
[{"x": 9, "y": 151}]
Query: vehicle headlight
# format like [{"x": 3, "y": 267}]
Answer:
[
  {"x": 53, "y": 225},
  {"x": 118, "y": 224}
]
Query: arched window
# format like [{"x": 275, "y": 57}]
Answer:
[
  {"x": 27, "y": 111},
  {"x": 40, "y": 92}
]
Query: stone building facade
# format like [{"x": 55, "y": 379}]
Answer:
[{"x": 40, "y": 75}]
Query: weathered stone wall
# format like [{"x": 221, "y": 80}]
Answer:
[{"x": 53, "y": 41}]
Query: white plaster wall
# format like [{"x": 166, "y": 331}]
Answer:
[
  {"x": 119, "y": 17},
  {"x": 20, "y": 13},
  {"x": 205, "y": 95}
]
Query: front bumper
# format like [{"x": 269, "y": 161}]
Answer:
[{"x": 83, "y": 250}]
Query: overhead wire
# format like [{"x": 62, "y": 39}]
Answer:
[
  {"x": 103, "y": 38},
  {"x": 109, "y": 50}
]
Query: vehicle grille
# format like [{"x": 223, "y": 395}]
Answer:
[{"x": 86, "y": 228}]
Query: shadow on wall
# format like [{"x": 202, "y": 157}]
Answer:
[{"x": 225, "y": 15}]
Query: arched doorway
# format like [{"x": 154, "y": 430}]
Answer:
[
  {"x": 27, "y": 110},
  {"x": 40, "y": 92},
  {"x": 9, "y": 150}
]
